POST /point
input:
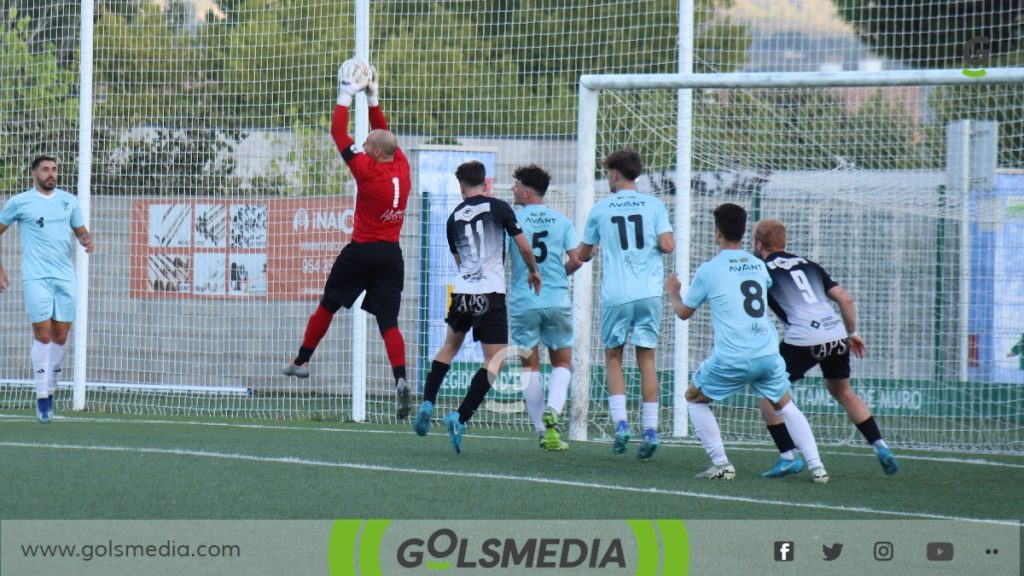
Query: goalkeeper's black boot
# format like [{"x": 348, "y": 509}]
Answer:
[{"x": 402, "y": 398}]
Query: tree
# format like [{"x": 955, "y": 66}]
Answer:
[
  {"x": 38, "y": 111},
  {"x": 933, "y": 34},
  {"x": 511, "y": 67}
]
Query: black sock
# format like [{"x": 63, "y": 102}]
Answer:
[
  {"x": 478, "y": 388},
  {"x": 399, "y": 372},
  {"x": 438, "y": 370},
  {"x": 869, "y": 428},
  {"x": 304, "y": 355},
  {"x": 783, "y": 441}
]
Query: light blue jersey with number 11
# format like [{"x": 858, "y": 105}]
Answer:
[
  {"x": 736, "y": 284},
  {"x": 627, "y": 225}
]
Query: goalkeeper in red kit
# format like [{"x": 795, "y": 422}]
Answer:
[{"x": 372, "y": 262}]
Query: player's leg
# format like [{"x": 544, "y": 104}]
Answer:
[
  {"x": 58, "y": 352},
  {"x": 384, "y": 300},
  {"x": 773, "y": 383},
  {"x": 649, "y": 394},
  {"x": 491, "y": 329},
  {"x": 39, "y": 304},
  {"x": 344, "y": 284},
  {"x": 615, "y": 323},
  {"x": 63, "y": 316},
  {"x": 557, "y": 335},
  {"x": 646, "y": 328},
  {"x": 798, "y": 361},
  {"x": 524, "y": 332},
  {"x": 699, "y": 395},
  {"x": 836, "y": 369},
  {"x": 558, "y": 391},
  {"x": 533, "y": 391},
  {"x": 458, "y": 326}
]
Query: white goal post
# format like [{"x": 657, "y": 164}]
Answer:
[{"x": 589, "y": 153}]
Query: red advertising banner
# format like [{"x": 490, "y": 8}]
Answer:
[{"x": 279, "y": 249}]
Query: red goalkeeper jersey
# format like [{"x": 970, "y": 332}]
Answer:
[{"x": 382, "y": 187}]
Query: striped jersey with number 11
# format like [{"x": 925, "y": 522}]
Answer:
[{"x": 476, "y": 232}]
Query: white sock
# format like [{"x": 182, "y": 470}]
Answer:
[
  {"x": 617, "y": 406},
  {"x": 705, "y": 427},
  {"x": 40, "y": 366},
  {"x": 800, "y": 430},
  {"x": 650, "y": 416},
  {"x": 880, "y": 443},
  {"x": 57, "y": 354},
  {"x": 558, "y": 389},
  {"x": 533, "y": 394},
  {"x": 788, "y": 455}
]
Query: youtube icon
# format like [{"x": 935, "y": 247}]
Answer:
[{"x": 940, "y": 551}]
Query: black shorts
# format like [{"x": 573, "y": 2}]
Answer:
[
  {"x": 374, "y": 267},
  {"x": 834, "y": 358},
  {"x": 484, "y": 313}
]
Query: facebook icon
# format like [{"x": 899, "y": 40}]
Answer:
[{"x": 783, "y": 551}]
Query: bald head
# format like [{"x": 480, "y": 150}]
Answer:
[
  {"x": 381, "y": 145},
  {"x": 769, "y": 236}
]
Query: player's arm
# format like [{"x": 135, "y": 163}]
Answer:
[
  {"x": 377, "y": 119},
  {"x": 347, "y": 89},
  {"x": 572, "y": 261},
  {"x": 666, "y": 243},
  {"x": 5, "y": 281},
  {"x": 84, "y": 238},
  {"x": 848, "y": 310},
  {"x": 673, "y": 286},
  {"x": 526, "y": 251},
  {"x": 585, "y": 252}
]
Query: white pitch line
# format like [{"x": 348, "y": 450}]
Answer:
[
  {"x": 671, "y": 445},
  {"x": 507, "y": 477}
]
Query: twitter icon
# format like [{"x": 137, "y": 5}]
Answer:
[{"x": 831, "y": 552}]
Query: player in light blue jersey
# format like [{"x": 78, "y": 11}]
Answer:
[
  {"x": 634, "y": 232},
  {"x": 746, "y": 349},
  {"x": 44, "y": 214},
  {"x": 545, "y": 317}
]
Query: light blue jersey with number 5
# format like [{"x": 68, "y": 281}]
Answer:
[
  {"x": 627, "y": 225},
  {"x": 736, "y": 284}
]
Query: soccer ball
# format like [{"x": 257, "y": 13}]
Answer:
[{"x": 354, "y": 71}]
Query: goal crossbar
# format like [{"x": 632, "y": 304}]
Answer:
[{"x": 798, "y": 79}]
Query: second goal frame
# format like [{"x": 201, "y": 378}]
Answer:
[{"x": 590, "y": 88}]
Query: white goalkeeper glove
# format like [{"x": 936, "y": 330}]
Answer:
[
  {"x": 372, "y": 87},
  {"x": 352, "y": 79}
]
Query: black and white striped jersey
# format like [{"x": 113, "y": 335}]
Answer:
[
  {"x": 476, "y": 232},
  {"x": 798, "y": 297}
]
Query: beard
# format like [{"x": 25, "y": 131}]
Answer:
[{"x": 46, "y": 185}]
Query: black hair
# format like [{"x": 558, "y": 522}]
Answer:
[
  {"x": 40, "y": 159},
  {"x": 731, "y": 221},
  {"x": 471, "y": 173},
  {"x": 627, "y": 161},
  {"x": 535, "y": 177}
]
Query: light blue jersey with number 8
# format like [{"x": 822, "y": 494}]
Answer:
[{"x": 736, "y": 284}]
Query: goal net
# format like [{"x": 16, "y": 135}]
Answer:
[
  {"x": 197, "y": 133},
  {"x": 907, "y": 196}
]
